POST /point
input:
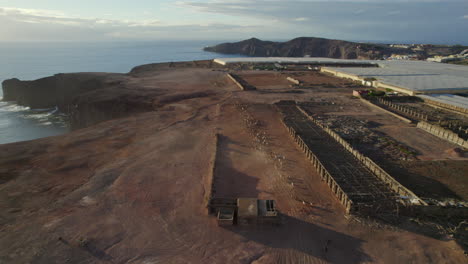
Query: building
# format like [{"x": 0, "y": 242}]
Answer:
[
  {"x": 403, "y": 57},
  {"x": 251, "y": 211},
  {"x": 400, "y": 46}
]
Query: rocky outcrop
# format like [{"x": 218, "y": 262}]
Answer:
[
  {"x": 91, "y": 98},
  {"x": 58, "y": 90},
  {"x": 88, "y": 98},
  {"x": 300, "y": 47}
]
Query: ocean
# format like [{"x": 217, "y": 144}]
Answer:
[{"x": 30, "y": 61}]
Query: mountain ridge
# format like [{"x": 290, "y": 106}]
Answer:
[{"x": 306, "y": 46}]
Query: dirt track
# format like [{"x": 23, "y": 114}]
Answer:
[{"x": 132, "y": 190}]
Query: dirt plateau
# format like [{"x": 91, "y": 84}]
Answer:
[{"x": 129, "y": 183}]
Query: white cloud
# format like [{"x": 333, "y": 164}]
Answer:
[
  {"x": 348, "y": 19},
  {"x": 46, "y": 25},
  {"x": 266, "y": 19},
  {"x": 36, "y": 16}
]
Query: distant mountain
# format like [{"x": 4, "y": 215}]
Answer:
[{"x": 305, "y": 46}]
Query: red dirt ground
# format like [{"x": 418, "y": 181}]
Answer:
[{"x": 132, "y": 190}]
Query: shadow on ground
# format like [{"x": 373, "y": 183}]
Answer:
[{"x": 295, "y": 240}]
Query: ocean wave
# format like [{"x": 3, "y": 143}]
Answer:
[
  {"x": 11, "y": 107},
  {"x": 41, "y": 116},
  {"x": 48, "y": 123}
]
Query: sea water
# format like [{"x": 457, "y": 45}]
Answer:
[{"x": 30, "y": 61}]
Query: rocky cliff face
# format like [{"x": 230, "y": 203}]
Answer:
[
  {"x": 58, "y": 90},
  {"x": 88, "y": 98},
  {"x": 300, "y": 47}
]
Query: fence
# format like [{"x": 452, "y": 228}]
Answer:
[
  {"x": 324, "y": 174},
  {"x": 371, "y": 165},
  {"x": 404, "y": 109}
]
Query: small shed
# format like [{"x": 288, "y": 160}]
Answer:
[
  {"x": 247, "y": 211},
  {"x": 251, "y": 211}
]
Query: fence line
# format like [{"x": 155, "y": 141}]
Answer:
[
  {"x": 322, "y": 171},
  {"x": 369, "y": 163},
  {"x": 443, "y": 133}
]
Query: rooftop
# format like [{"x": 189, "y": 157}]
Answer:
[{"x": 450, "y": 99}]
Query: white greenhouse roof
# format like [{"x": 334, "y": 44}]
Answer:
[
  {"x": 451, "y": 99},
  {"x": 416, "y": 76}
]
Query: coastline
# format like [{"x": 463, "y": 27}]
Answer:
[
  {"x": 135, "y": 171},
  {"x": 33, "y": 61}
]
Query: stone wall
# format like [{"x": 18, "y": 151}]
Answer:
[
  {"x": 295, "y": 81},
  {"x": 443, "y": 133},
  {"x": 243, "y": 85},
  {"x": 212, "y": 172}
]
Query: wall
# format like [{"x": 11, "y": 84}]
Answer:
[
  {"x": 393, "y": 87},
  {"x": 443, "y": 133},
  {"x": 375, "y": 84},
  {"x": 407, "y": 110},
  {"x": 341, "y": 74},
  {"x": 211, "y": 173},
  {"x": 236, "y": 82},
  {"x": 295, "y": 81}
]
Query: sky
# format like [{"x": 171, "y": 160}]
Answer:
[{"x": 393, "y": 21}]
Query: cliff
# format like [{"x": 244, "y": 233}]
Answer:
[
  {"x": 90, "y": 98},
  {"x": 71, "y": 93},
  {"x": 58, "y": 90},
  {"x": 304, "y": 46}
]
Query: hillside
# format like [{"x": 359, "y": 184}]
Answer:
[
  {"x": 151, "y": 148},
  {"x": 304, "y": 46}
]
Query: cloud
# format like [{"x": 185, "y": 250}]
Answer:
[
  {"x": 394, "y": 20},
  {"x": 47, "y": 25},
  {"x": 386, "y": 20},
  {"x": 36, "y": 16}
]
